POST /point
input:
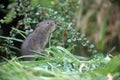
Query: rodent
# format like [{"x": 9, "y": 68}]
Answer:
[{"x": 38, "y": 39}]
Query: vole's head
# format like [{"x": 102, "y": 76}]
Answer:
[{"x": 46, "y": 25}]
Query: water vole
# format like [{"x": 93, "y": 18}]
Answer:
[{"x": 38, "y": 39}]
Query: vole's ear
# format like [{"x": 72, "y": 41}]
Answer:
[{"x": 37, "y": 25}]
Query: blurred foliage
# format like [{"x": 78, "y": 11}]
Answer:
[
  {"x": 75, "y": 18},
  {"x": 45, "y": 3},
  {"x": 101, "y": 42},
  {"x": 60, "y": 11},
  {"x": 91, "y": 17},
  {"x": 63, "y": 66}
]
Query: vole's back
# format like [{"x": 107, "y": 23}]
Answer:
[{"x": 38, "y": 39}]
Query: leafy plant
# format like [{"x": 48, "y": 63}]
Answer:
[
  {"x": 65, "y": 34},
  {"x": 63, "y": 65}
]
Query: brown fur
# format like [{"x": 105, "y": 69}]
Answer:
[{"x": 38, "y": 39}]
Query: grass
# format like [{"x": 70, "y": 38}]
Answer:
[{"x": 63, "y": 66}]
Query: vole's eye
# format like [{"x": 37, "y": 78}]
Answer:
[
  {"x": 47, "y": 22},
  {"x": 55, "y": 22}
]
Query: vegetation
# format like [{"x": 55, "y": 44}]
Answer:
[
  {"x": 80, "y": 25},
  {"x": 63, "y": 66}
]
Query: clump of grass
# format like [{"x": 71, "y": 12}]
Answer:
[{"x": 61, "y": 66}]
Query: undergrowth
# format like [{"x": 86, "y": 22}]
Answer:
[{"x": 62, "y": 65}]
